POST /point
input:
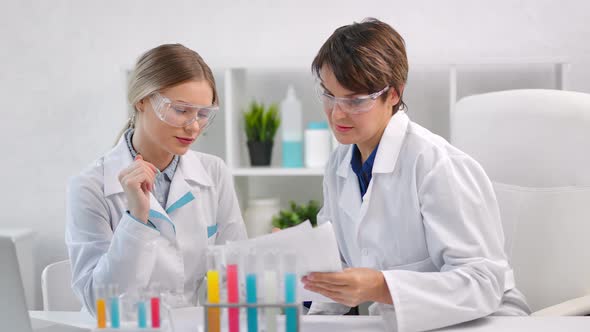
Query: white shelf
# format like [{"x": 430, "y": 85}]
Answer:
[{"x": 277, "y": 171}]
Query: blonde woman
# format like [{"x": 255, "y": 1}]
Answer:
[{"x": 145, "y": 212}]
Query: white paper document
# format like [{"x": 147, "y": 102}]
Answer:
[{"x": 316, "y": 249}]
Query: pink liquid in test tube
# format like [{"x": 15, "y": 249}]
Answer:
[
  {"x": 155, "y": 306},
  {"x": 233, "y": 297}
]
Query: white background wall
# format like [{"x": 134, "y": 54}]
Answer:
[{"x": 63, "y": 63}]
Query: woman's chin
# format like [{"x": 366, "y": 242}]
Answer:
[
  {"x": 345, "y": 139},
  {"x": 179, "y": 150}
]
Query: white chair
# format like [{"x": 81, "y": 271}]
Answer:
[
  {"x": 56, "y": 286},
  {"x": 535, "y": 147}
]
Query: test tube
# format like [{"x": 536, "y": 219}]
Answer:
[
  {"x": 251, "y": 270},
  {"x": 142, "y": 309},
  {"x": 271, "y": 287},
  {"x": 213, "y": 281},
  {"x": 155, "y": 310},
  {"x": 233, "y": 294},
  {"x": 113, "y": 291},
  {"x": 290, "y": 275},
  {"x": 101, "y": 307},
  {"x": 155, "y": 306}
]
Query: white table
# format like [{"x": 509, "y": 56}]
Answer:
[{"x": 186, "y": 320}]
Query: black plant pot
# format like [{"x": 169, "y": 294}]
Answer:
[{"x": 260, "y": 153}]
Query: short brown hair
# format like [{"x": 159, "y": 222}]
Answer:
[{"x": 366, "y": 57}]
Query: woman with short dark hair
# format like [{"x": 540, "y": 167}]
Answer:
[{"x": 416, "y": 219}]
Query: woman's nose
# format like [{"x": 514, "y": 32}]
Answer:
[
  {"x": 337, "y": 112},
  {"x": 193, "y": 127}
]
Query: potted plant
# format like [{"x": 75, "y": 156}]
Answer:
[
  {"x": 296, "y": 215},
  {"x": 261, "y": 126}
]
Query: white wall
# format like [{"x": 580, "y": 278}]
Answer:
[{"x": 62, "y": 68}]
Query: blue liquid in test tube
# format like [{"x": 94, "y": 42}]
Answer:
[
  {"x": 141, "y": 314},
  {"x": 115, "y": 321},
  {"x": 251, "y": 299},
  {"x": 290, "y": 313}
]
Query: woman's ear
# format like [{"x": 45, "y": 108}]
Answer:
[
  {"x": 140, "y": 105},
  {"x": 393, "y": 97}
]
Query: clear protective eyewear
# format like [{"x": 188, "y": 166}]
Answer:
[
  {"x": 180, "y": 114},
  {"x": 354, "y": 105}
]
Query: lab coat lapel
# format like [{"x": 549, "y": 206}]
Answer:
[
  {"x": 391, "y": 143},
  {"x": 365, "y": 202},
  {"x": 114, "y": 162},
  {"x": 190, "y": 176},
  {"x": 180, "y": 193},
  {"x": 161, "y": 220},
  {"x": 386, "y": 158},
  {"x": 350, "y": 200}
]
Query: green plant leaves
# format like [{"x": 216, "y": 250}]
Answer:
[
  {"x": 261, "y": 125},
  {"x": 297, "y": 214}
]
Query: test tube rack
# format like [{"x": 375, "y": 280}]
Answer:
[{"x": 240, "y": 305}]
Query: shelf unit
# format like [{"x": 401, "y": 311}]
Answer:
[
  {"x": 431, "y": 93},
  {"x": 241, "y": 87},
  {"x": 268, "y": 85}
]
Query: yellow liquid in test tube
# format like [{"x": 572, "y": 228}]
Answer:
[
  {"x": 213, "y": 297},
  {"x": 101, "y": 314}
]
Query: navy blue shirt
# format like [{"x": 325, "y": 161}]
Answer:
[{"x": 363, "y": 171}]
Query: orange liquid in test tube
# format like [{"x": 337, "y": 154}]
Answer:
[{"x": 101, "y": 314}]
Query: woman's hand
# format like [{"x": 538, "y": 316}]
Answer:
[
  {"x": 137, "y": 181},
  {"x": 350, "y": 287}
]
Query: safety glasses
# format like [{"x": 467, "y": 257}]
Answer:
[
  {"x": 179, "y": 114},
  {"x": 354, "y": 105}
]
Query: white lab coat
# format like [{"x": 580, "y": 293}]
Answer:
[
  {"x": 430, "y": 221},
  {"x": 107, "y": 246}
]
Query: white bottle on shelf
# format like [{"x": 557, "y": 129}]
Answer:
[
  {"x": 258, "y": 215},
  {"x": 292, "y": 130},
  {"x": 318, "y": 144}
]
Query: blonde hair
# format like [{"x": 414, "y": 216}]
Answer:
[{"x": 163, "y": 67}]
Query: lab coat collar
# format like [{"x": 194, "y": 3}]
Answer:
[
  {"x": 114, "y": 162},
  {"x": 193, "y": 170},
  {"x": 344, "y": 167},
  {"x": 391, "y": 143},
  {"x": 388, "y": 150},
  {"x": 189, "y": 167}
]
